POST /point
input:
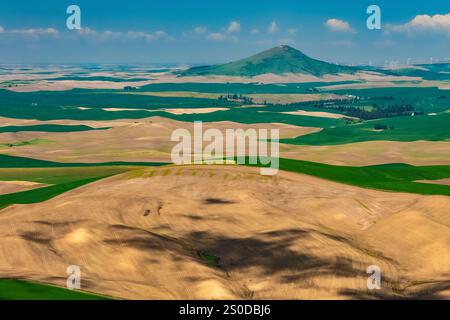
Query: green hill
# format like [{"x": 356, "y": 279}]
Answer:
[
  {"x": 432, "y": 73},
  {"x": 278, "y": 60},
  {"x": 436, "y": 67}
]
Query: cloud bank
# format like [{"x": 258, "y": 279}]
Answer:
[
  {"x": 438, "y": 23},
  {"x": 337, "y": 25}
]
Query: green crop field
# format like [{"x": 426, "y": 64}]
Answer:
[
  {"x": 11, "y": 289},
  {"x": 436, "y": 67},
  {"x": 431, "y": 99},
  {"x": 61, "y": 177},
  {"x": 48, "y": 128},
  {"x": 64, "y": 105},
  {"x": 429, "y": 128},
  {"x": 389, "y": 177},
  {"x": 22, "y": 162},
  {"x": 253, "y": 115},
  {"x": 44, "y": 105},
  {"x": 44, "y": 194},
  {"x": 96, "y": 78},
  {"x": 424, "y": 74}
]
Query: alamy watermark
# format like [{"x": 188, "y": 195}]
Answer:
[
  {"x": 73, "y": 22},
  {"x": 74, "y": 279},
  {"x": 374, "y": 20},
  {"x": 239, "y": 146},
  {"x": 374, "y": 279}
]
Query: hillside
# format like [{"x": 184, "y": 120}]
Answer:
[
  {"x": 212, "y": 232},
  {"x": 279, "y": 60}
]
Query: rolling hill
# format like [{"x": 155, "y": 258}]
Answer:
[
  {"x": 219, "y": 232},
  {"x": 279, "y": 60}
]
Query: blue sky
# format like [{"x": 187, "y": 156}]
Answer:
[{"x": 201, "y": 31}]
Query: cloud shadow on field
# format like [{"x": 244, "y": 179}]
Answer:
[
  {"x": 269, "y": 254},
  {"x": 211, "y": 201}
]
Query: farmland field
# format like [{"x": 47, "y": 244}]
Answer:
[
  {"x": 61, "y": 177},
  {"x": 117, "y": 168},
  {"x": 393, "y": 177},
  {"x": 429, "y": 128},
  {"x": 72, "y": 141},
  {"x": 23, "y": 290}
]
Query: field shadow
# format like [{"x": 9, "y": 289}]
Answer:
[
  {"x": 272, "y": 254},
  {"x": 269, "y": 252},
  {"x": 212, "y": 201}
]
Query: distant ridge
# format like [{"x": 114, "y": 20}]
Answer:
[{"x": 279, "y": 60}]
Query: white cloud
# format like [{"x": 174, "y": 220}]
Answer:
[
  {"x": 226, "y": 34},
  {"x": 338, "y": 25},
  {"x": 436, "y": 23},
  {"x": 92, "y": 33},
  {"x": 133, "y": 35},
  {"x": 273, "y": 27},
  {"x": 47, "y": 31},
  {"x": 140, "y": 35},
  {"x": 200, "y": 30},
  {"x": 216, "y": 36},
  {"x": 234, "y": 27},
  {"x": 292, "y": 31},
  {"x": 255, "y": 31},
  {"x": 160, "y": 34},
  {"x": 103, "y": 35},
  {"x": 111, "y": 34},
  {"x": 87, "y": 32},
  {"x": 146, "y": 36}
]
